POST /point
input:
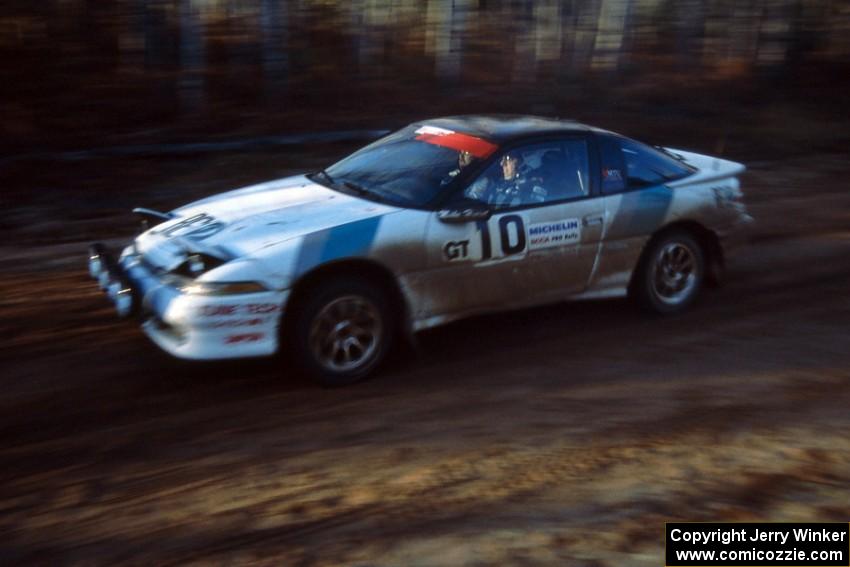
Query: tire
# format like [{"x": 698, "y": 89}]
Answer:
[
  {"x": 670, "y": 274},
  {"x": 342, "y": 331}
]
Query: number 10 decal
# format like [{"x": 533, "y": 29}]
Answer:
[{"x": 508, "y": 248}]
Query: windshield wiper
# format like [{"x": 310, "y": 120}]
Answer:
[{"x": 371, "y": 194}]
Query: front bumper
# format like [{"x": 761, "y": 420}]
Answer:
[{"x": 185, "y": 325}]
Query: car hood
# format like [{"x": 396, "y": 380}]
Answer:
[{"x": 239, "y": 223}]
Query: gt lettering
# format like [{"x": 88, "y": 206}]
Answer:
[{"x": 456, "y": 250}]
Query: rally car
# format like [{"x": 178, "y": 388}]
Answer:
[{"x": 440, "y": 220}]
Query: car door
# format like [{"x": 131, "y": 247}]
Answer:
[
  {"x": 537, "y": 245},
  {"x": 637, "y": 203}
]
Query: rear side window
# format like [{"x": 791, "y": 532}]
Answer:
[
  {"x": 646, "y": 167},
  {"x": 611, "y": 163}
]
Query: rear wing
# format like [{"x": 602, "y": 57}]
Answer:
[{"x": 708, "y": 168}]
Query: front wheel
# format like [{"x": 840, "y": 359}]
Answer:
[
  {"x": 670, "y": 274},
  {"x": 343, "y": 331}
]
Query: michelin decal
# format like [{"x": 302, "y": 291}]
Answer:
[{"x": 556, "y": 233}]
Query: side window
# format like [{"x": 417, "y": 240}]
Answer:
[
  {"x": 534, "y": 174},
  {"x": 611, "y": 166},
  {"x": 646, "y": 166}
]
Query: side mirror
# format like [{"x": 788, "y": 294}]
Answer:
[{"x": 464, "y": 212}]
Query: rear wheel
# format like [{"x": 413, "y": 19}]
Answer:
[
  {"x": 343, "y": 331},
  {"x": 670, "y": 274}
]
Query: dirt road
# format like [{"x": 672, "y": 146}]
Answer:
[{"x": 564, "y": 435}]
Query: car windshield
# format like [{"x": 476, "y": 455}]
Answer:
[{"x": 408, "y": 167}]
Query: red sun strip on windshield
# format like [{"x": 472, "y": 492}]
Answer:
[{"x": 460, "y": 142}]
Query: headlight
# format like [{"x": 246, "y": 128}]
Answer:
[
  {"x": 222, "y": 288},
  {"x": 197, "y": 264},
  {"x": 188, "y": 285}
]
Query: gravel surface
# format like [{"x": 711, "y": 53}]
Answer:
[{"x": 564, "y": 435}]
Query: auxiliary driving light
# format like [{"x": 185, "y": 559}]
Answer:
[
  {"x": 96, "y": 260},
  {"x": 95, "y": 265},
  {"x": 121, "y": 295},
  {"x": 112, "y": 289},
  {"x": 103, "y": 280},
  {"x": 124, "y": 302}
]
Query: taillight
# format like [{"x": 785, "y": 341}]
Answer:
[{"x": 729, "y": 195}]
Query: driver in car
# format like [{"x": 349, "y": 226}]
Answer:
[
  {"x": 515, "y": 186},
  {"x": 508, "y": 186}
]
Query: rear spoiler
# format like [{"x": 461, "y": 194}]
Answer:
[
  {"x": 709, "y": 168},
  {"x": 151, "y": 218}
]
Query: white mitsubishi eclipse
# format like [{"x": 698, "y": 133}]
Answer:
[{"x": 440, "y": 220}]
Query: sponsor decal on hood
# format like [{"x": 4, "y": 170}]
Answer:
[{"x": 241, "y": 222}]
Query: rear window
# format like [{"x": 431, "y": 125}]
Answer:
[{"x": 647, "y": 167}]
